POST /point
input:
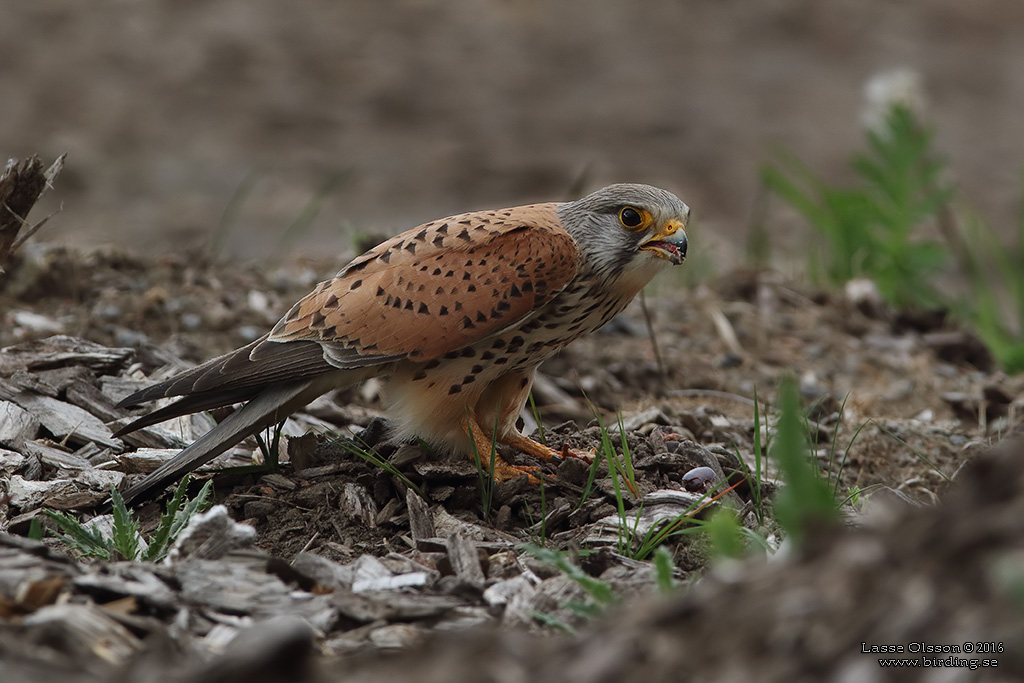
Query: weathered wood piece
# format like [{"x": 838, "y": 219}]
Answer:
[
  {"x": 420, "y": 522},
  {"x": 55, "y": 457},
  {"x": 60, "y": 351},
  {"x": 210, "y": 536},
  {"x": 63, "y": 420},
  {"x": 17, "y": 425},
  {"x": 657, "y": 507},
  {"x": 465, "y": 560},
  {"x": 87, "y": 488}
]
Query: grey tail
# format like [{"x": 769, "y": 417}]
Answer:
[{"x": 270, "y": 406}]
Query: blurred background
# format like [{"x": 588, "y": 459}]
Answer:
[{"x": 188, "y": 122}]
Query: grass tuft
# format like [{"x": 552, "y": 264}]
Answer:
[
  {"x": 372, "y": 457},
  {"x": 870, "y": 228},
  {"x": 806, "y": 501},
  {"x": 126, "y": 541}
]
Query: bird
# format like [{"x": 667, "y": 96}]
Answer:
[{"x": 457, "y": 314}]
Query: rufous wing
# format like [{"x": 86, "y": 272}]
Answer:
[{"x": 436, "y": 288}]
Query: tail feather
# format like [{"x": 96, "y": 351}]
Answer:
[
  {"x": 270, "y": 406},
  {"x": 189, "y": 404}
]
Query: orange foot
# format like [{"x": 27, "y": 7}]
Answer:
[
  {"x": 528, "y": 445},
  {"x": 502, "y": 470}
]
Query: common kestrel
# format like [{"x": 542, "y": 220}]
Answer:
[{"x": 458, "y": 313}]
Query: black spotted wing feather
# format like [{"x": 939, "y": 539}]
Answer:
[{"x": 436, "y": 288}]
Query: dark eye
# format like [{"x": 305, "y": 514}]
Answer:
[{"x": 630, "y": 217}]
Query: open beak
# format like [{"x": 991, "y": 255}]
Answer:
[{"x": 669, "y": 242}]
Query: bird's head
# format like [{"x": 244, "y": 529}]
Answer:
[{"x": 628, "y": 229}]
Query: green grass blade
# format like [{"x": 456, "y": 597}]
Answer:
[
  {"x": 125, "y": 538},
  {"x": 192, "y": 507},
  {"x": 599, "y": 590},
  {"x": 88, "y": 541},
  {"x": 589, "y": 485},
  {"x": 760, "y": 463},
  {"x": 726, "y": 534},
  {"x": 806, "y": 500},
  {"x": 161, "y": 538},
  {"x": 369, "y": 455},
  {"x": 627, "y": 456},
  {"x": 664, "y": 569}
]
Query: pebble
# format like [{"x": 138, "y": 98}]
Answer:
[
  {"x": 699, "y": 479},
  {"x": 249, "y": 332},
  {"x": 191, "y": 321}
]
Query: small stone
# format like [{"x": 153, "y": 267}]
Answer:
[
  {"x": 191, "y": 321},
  {"x": 249, "y": 332},
  {"x": 699, "y": 479}
]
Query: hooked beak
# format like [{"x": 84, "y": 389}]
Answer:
[{"x": 669, "y": 242}]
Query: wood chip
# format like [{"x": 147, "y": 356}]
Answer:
[
  {"x": 24, "y": 562},
  {"x": 367, "y": 571},
  {"x": 236, "y": 585},
  {"x": 420, "y": 521},
  {"x": 356, "y": 503},
  {"x": 465, "y": 559},
  {"x": 390, "y": 583},
  {"x": 88, "y": 488},
  {"x": 10, "y": 461},
  {"x": 433, "y": 470},
  {"x": 324, "y": 571},
  {"x": 17, "y": 425},
  {"x": 394, "y": 605},
  {"x": 63, "y": 420},
  {"x": 210, "y": 536},
  {"x": 464, "y": 619},
  {"x": 55, "y": 457},
  {"x": 446, "y": 524},
  {"x": 125, "y": 579},
  {"x": 59, "y": 351},
  {"x": 117, "y": 388},
  {"x": 396, "y": 636},
  {"x": 503, "y": 592},
  {"x": 145, "y": 460},
  {"x": 35, "y": 384},
  {"x": 85, "y": 630},
  {"x": 88, "y": 396},
  {"x": 156, "y": 436},
  {"x": 656, "y": 508}
]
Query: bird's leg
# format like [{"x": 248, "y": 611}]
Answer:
[
  {"x": 506, "y": 398},
  {"x": 484, "y": 448},
  {"x": 528, "y": 445}
]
